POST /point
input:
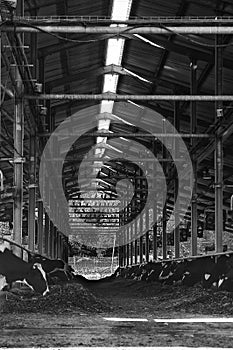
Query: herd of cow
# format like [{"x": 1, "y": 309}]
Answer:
[
  {"x": 38, "y": 273},
  {"x": 216, "y": 271}
]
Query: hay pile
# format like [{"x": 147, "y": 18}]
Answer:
[{"x": 68, "y": 298}]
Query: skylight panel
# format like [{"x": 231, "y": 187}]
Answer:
[
  {"x": 110, "y": 82},
  {"x": 121, "y": 9},
  {"x": 114, "y": 51}
]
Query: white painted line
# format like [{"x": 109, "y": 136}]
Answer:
[
  {"x": 125, "y": 319},
  {"x": 194, "y": 320}
]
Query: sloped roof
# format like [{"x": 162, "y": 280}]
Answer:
[{"x": 77, "y": 66}]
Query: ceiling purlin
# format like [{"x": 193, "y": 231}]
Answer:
[{"x": 181, "y": 12}]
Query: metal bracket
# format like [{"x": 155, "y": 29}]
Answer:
[
  {"x": 219, "y": 112},
  {"x": 19, "y": 160},
  {"x": 32, "y": 186}
]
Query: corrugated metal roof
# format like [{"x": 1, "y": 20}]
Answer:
[{"x": 78, "y": 68}]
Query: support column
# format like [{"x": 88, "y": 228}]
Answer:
[
  {"x": 51, "y": 243},
  {"x": 40, "y": 227},
  {"x": 127, "y": 246},
  {"x": 18, "y": 153},
  {"x": 46, "y": 235},
  {"x": 164, "y": 216},
  {"x": 147, "y": 247},
  {"x": 176, "y": 186},
  {"x": 140, "y": 242},
  {"x": 120, "y": 248},
  {"x": 58, "y": 245},
  {"x": 193, "y": 130},
  {"x": 155, "y": 206},
  {"x": 32, "y": 156},
  {"x": 55, "y": 242},
  {"x": 32, "y": 195},
  {"x": 131, "y": 245},
  {"x": 218, "y": 148},
  {"x": 141, "y": 238},
  {"x": 136, "y": 251}
]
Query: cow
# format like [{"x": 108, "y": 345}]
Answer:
[
  {"x": 217, "y": 272},
  {"x": 221, "y": 274},
  {"x": 156, "y": 270},
  {"x": 48, "y": 265},
  {"x": 13, "y": 269},
  {"x": 56, "y": 269},
  {"x": 168, "y": 269},
  {"x": 196, "y": 270},
  {"x": 188, "y": 272}
]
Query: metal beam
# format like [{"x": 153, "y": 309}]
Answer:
[
  {"x": 77, "y": 29},
  {"x": 117, "y": 97}
]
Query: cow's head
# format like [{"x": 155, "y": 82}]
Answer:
[
  {"x": 167, "y": 270},
  {"x": 36, "y": 279}
]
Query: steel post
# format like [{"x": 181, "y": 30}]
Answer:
[
  {"x": 218, "y": 148},
  {"x": 32, "y": 194},
  {"x": 176, "y": 186},
  {"x": 164, "y": 215},
  {"x": 40, "y": 227},
  {"x": 154, "y": 205},
  {"x": 18, "y": 154},
  {"x": 46, "y": 235},
  {"x": 193, "y": 184},
  {"x": 147, "y": 242}
]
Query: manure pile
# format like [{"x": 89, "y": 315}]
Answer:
[{"x": 68, "y": 298}]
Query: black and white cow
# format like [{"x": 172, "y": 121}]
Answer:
[
  {"x": 56, "y": 269},
  {"x": 13, "y": 268},
  {"x": 154, "y": 273},
  {"x": 221, "y": 275}
]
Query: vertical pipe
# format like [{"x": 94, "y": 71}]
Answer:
[
  {"x": 193, "y": 130},
  {"x": 18, "y": 153},
  {"x": 176, "y": 184},
  {"x": 218, "y": 147},
  {"x": 40, "y": 227}
]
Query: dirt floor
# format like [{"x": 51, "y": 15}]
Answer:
[{"x": 76, "y": 315}]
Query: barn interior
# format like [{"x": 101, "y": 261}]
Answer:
[{"x": 90, "y": 93}]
